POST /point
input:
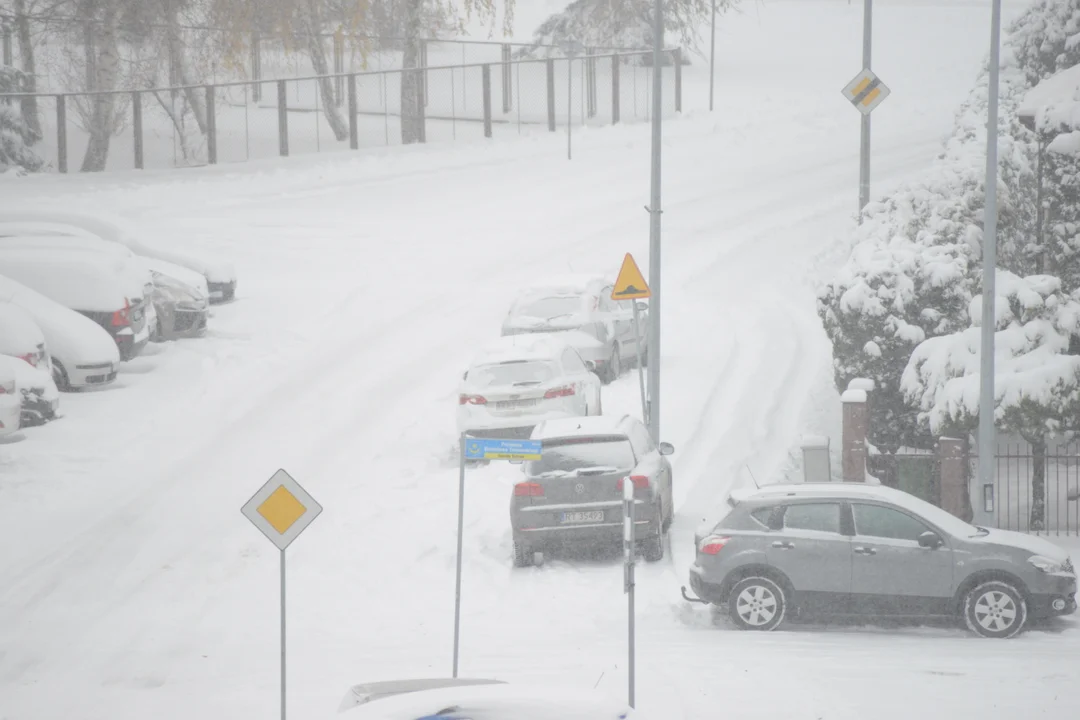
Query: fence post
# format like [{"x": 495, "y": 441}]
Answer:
[
  {"x": 953, "y": 486},
  {"x": 354, "y": 140},
  {"x": 137, "y": 127},
  {"x": 282, "y": 120},
  {"x": 424, "y": 75},
  {"x": 61, "y": 133},
  {"x": 256, "y": 67},
  {"x": 9, "y": 55},
  {"x": 421, "y": 110},
  {"x": 615, "y": 91},
  {"x": 551, "y": 93},
  {"x": 339, "y": 66},
  {"x": 590, "y": 81},
  {"x": 211, "y": 126},
  {"x": 507, "y": 80},
  {"x": 676, "y": 55},
  {"x": 856, "y": 424},
  {"x": 486, "y": 73}
]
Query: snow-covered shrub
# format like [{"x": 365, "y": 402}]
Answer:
[{"x": 16, "y": 136}]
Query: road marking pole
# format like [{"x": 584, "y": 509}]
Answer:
[
  {"x": 460, "y": 533},
  {"x": 640, "y": 368},
  {"x": 628, "y": 576},
  {"x": 282, "y": 553}
]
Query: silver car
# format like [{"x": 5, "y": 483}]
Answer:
[
  {"x": 181, "y": 310},
  {"x": 865, "y": 550}
]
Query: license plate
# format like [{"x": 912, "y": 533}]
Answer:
[
  {"x": 583, "y": 517},
  {"x": 514, "y": 404}
]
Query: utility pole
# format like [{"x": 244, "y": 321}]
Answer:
[
  {"x": 712, "y": 56},
  {"x": 654, "y": 227},
  {"x": 986, "y": 352},
  {"x": 864, "y": 141}
]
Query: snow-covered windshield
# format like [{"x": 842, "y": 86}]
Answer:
[
  {"x": 550, "y": 307},
  {"x": 518, "y": 372},
  {"x": 605, "y": 455}
]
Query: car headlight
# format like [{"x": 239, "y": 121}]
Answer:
[{"x": 1046, "y": 565}]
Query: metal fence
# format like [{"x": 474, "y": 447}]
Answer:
[
  {"x": 239, "y": 121},
  {"x": 1024, "y": 475}
]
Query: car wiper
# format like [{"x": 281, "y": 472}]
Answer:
[
  {"x": 981, "y": 531},
  {"x": 600, "y": 470}
]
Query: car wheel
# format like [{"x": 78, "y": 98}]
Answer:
[
  {"x": 670, "y": 510},
  {"x": 614, "y": 366},
  {"x": 523, "y": 556},
  {"x": 60, "y": 376},
  {"x": 757, "y": 603},
  {"x": 653, "y": 548},
  {"x": 995, "y": 609}
]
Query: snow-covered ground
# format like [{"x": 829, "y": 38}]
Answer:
[{"x": 133, "y": 587}]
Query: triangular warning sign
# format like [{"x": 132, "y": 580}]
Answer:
[{"x": 631, "y": 284}]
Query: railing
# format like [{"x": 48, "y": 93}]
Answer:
[
  {"x": 1022, "y": 476},
  {"x": 245, "y": 120}
]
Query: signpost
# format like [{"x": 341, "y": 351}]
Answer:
[
  {"x": 628, "y": 575},
  {"x": 282, "y": 510},
  {"x": 866, "y": 92},
  {"x": 472, "y": 448},
  {"x": 631, "y": 285}
]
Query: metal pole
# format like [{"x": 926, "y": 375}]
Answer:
[
  {"x": 282, "y": 635},
  {"x": 986, "y": 358},
  {"x": 712, "y": 55},
  {"x": 569, "y": 99},
  {"x": 640, "y": 368},
  {"x": 628, "y": 578},
  {"x": 654, "y": 229},
  {"x": 460, "y": 532},
  {"x": 864, "y": 140}
]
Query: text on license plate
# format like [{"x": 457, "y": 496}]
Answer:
[
  {"x": 583, "y": 517},
  {"x": 514, "y": 404}
]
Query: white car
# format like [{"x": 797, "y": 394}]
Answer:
[
  {"x": 601, "y": 329},
  {"x": 519, "y": 381},
  {"x": 469, "y": 699},
  {"x": 22, "y": 346},
  {"x": 219, "y": 274},
  {"x": 10, "y": 401},
  {"x": 81, "y": 353}
]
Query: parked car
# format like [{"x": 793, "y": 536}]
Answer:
[
  {"x": 574, "y": 492},
  {"x": 517, "y": 382},
  {"x": 219, "y": 274},
  {"x": 583, "y": 304},
  {"x": 479, "y": 699},
  {"x": 81, "y": 353},
  {"x": 867, "y": 550},
  {"x": 22, "y": 341},
  {"x": 108, "y": 289},
  {"x": 10, "y": 401},
  {"x": 181, "y": 311}
]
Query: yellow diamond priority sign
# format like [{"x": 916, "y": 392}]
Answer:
[
  {"x": 281, "y": 509},
  {"x": 866, "y": 91}
]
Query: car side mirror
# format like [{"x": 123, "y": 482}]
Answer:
[
  {"x": 666, "y": 448},
  {"x": 642, "y": 307},
  {"x": 590, "y": 366},
  {"x": 930, "y": 540}
]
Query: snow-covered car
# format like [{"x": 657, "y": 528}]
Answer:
[
  {"x": 516, "y": 382},
  {"x": 10, "y": 400},
  {"x": 479, "y": 699},
  {"x": 22, "y": 341},
  {"x": 109, "y": 289},
  {"x": 180, "y": 311},
  {"x": 220, "y": 275},
  {"x": 81, "y": 353},
  {"x": 582, "y": 304}
]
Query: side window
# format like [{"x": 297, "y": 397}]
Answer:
[
  {"x": 640, "y": 440},
  {"x": 762, "y": 515},
  {"x": 822, "y": 517},
  {"x": 572, "y": 363},
  {"x": 883, "y": 522}
]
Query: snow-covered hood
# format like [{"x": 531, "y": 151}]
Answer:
[
  {"x": 587, "y": 346},
  {"x": 533, "y": 324},
  {"x": 195, "y": 282},
  {"x": 1022, "y": 541}
]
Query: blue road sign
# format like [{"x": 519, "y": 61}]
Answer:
[{"x": 494, "y": 449}]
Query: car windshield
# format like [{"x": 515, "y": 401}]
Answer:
[
  {"x": 515, "y": 372},
  {"x": 603, "y": 455},
  {"x": 550, "y": 307}
]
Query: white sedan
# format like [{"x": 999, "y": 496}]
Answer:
[
  {"x": 10, "y": 400},
  {"x": 520, "y": 380}
]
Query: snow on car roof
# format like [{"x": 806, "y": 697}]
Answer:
[
  {"x": 571, "y": 283},
  {"x": 61, "y": 240},
  {"x": 79, "y": 279},
  {"x": 510, "y": 348},
  {"x": 580, "y": 427},
  {"x": 19, "y": 334}
]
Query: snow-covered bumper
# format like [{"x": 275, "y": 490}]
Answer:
[
  {"x": 10, "y": 411},
  {"x": 707, "y": 591},
  {"x": 540, "y": 525},
  {"x": 1054, "y": 596},
  {"x": 92, "y": 374}
]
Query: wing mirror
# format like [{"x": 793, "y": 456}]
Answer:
[
  {"x": 930, "y": 540},
  {"x": 590, "y": 366},
  {"x": 666, "y": 448},
  {"x": 642, "y": 307}
]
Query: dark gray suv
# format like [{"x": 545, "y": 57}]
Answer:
[{"x": 852, "y": 549}]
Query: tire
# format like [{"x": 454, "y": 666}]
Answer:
[
  {"x": 60, "y": 376},
  {"x": 614, "y": 366},
  {"x": 995, "y": 609},
  {"x": 653, "y": 548},
  {"x": 670, "y": 517},
  {"x": 523, "y": 556},
  {"x": 757, "y": 603}
]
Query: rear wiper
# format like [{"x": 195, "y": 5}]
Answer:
[{"x": 597, "y": 470}]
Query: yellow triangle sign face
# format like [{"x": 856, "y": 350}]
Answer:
[{"x": 631, "y": 283}]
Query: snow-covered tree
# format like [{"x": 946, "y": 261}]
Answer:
[
  {"x": 16, "y": 136},
  {"x": 1036, "y": 372}
]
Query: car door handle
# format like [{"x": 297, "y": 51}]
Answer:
[
  {"x": 865, "y": 550},
  {"x": 784, "y": 545}
]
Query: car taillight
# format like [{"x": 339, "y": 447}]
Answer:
[
  {"x": 640, "y": 481},
  {"x": 122, "y": 318},
  {"x": 29, "y": 358},
  {"x": 529, "y": 489},
  {"x": 713, "y": 544},
  {"x": 564, "y": 391},
  {"x": 472, "y": 400}
]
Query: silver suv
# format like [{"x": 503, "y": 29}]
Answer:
[{"x": 867, "y": 550}]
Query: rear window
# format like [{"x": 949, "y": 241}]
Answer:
[
  {"x": 529, "y": 372},
  {"x": 602, "y": 455},
  {"x": 762, "y": 515},
  {"x": 550, "y": 307}
]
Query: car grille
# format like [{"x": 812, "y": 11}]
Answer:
[
  {"x": 184, "y": 321},
  {"x": 1069, "y": 566}
]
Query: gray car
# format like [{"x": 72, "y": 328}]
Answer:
[
  {"x": 866, "y": 550},
  {"x": 573, "y": 493}
]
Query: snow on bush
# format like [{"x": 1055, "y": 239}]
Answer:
[
  {"x": 16, "y": 136},
  {"x": 1036, "y": 380}
]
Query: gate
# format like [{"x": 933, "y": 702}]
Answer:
[{"x": 1035, "y": 492}]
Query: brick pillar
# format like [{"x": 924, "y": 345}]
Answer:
[
  {"x": 856, "y": 425},
  {"x": 954, "y": 486}
]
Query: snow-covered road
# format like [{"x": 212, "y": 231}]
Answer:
[{"x": 132, "y": 586}]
